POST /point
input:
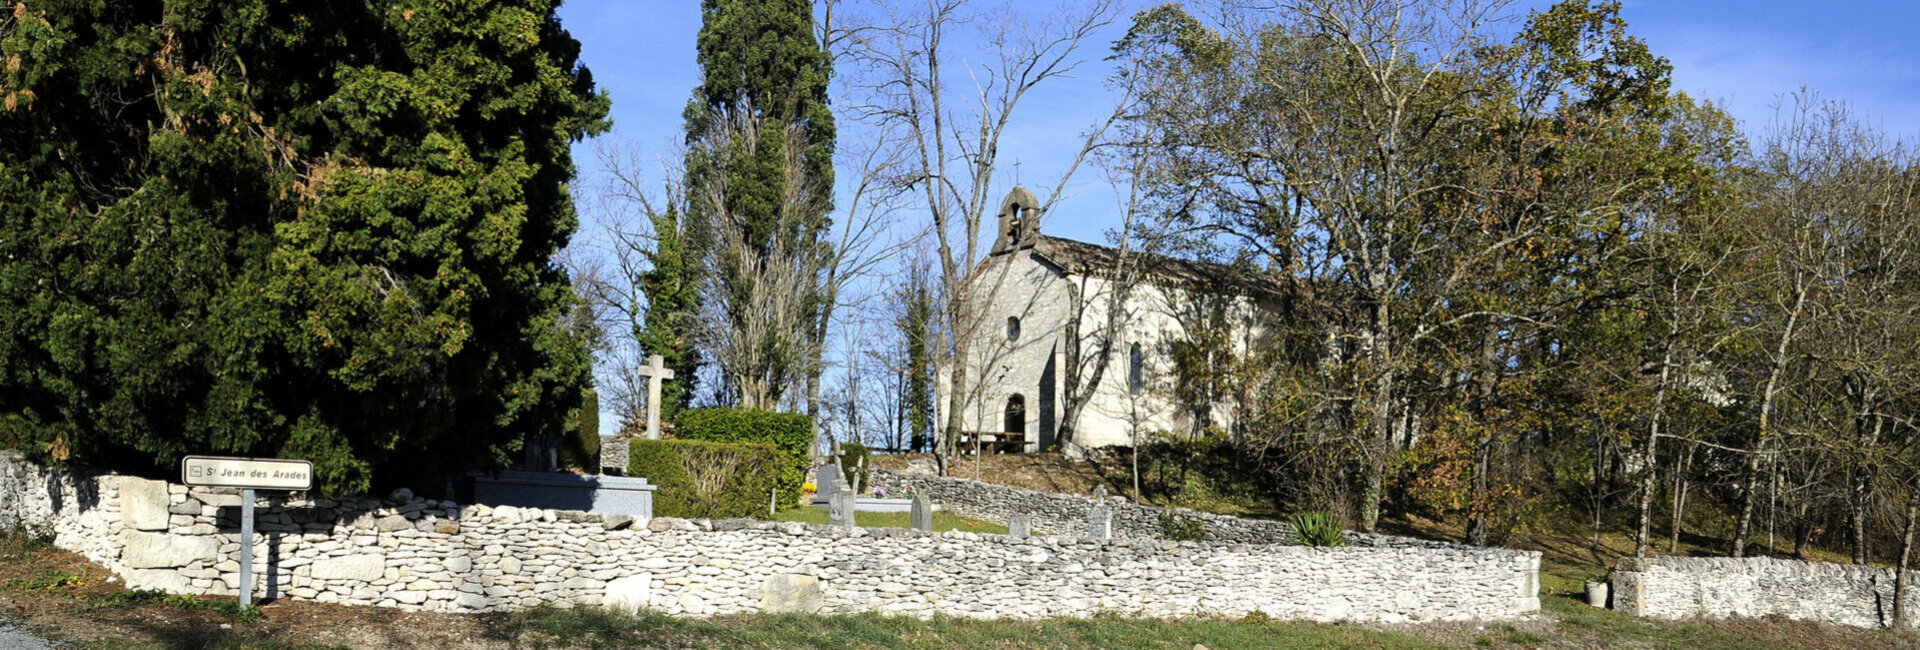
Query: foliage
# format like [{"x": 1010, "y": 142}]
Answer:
[
  {"x": 23, "y": 541},
  {"x": 854, "y": 458},
  {"x": 705, "y": 479},
  {"x": 300, "y": 230},
  {"x": 673, "y": 302},
  {"x": 791, "y": 433},
  {"x": 199, "y": 603},
  {"x": 1318, "y": 528},
  {"x": 759, "y": 183},
  {"x": 915, "y": 323},
  {"x": 1180, "y": 527}
]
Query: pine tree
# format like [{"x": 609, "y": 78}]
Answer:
[{"x": 304, "y": 230}]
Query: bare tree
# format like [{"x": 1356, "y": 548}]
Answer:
[{"x": 952, "y": 139}]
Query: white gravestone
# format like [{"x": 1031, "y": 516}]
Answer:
[{"x": 922, "y": 513}]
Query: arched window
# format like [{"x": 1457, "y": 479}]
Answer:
[
  {"x": 1016, "y": 414},
  {"x": 1136, "y": 374},
  {"x": 1013, "y": 328}
]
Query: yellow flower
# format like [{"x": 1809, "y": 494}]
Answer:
[{"x": 808, "y": 486}]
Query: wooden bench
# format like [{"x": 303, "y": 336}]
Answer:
[{"x": 992, "y": 442}]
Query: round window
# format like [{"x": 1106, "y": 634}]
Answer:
[{"x": 1013, "y": 328}]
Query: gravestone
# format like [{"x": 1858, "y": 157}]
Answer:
[
  {"x": 1100, "y": 522},
  {"x": 656, "y": 372},
  {"x": 840, "y": 510},
  {"x": 1021, "y": 526},
  {"x": 826, "y": 484},
  {"x": 922, "y": 513}
]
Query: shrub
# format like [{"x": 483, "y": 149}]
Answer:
[
  {"x": 1318, "y": 528},
  {"x": 705, "y": 479},
  {"x": 1181, "y": 528},
  {"x": 790, "y": 433},
  {"x": 853, "y": 465}
]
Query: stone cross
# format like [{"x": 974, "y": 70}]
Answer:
[
  {"x": 656, "y": 372},
  {"x": 922, "y": 513},
  {"x": 1021, "y": 527},
  {"x": 840, "y": 510},
  {"x": 1100, "y": 522}
]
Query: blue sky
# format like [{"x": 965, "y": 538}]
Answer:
[{"x": 1743, "y": 55}]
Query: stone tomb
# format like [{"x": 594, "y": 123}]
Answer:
[{"x": 606, "y": 495}]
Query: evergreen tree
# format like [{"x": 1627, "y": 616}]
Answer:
[
  {"x": 759, "y": 179},
  {"x": 294, "y": 229},
  {"x": 673, "y": 300}
]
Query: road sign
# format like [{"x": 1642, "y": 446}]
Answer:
[{"x": 247, "y": 473}]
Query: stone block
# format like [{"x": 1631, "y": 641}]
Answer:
[
  {"x": 792, "y": 593},
  {"x": 629, "y": 594},
  {"x": 392, "y": 523},
  {"x": 161, "y": 551},
  {"x": 167, "y": 580},
  {"x": 351, "y": 567},
  {"x": 144, "y": 504}
]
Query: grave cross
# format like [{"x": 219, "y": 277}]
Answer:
[{"x": 656, "y": 371}]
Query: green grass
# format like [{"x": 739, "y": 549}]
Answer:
[
  {"x": 547, "y": 627},
  {"x": 941, "y": 520}
]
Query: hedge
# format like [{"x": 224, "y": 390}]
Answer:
[
  {"x": 791, "y": 433},
  {"x": 711, "y": 480}
]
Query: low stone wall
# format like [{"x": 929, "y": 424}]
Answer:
[
  {"x": 1066, "y": 514},
  {"x": 1719, "y": 587},
  {"x": 414, "y": 553}
]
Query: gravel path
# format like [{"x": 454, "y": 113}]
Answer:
[{"x": 14, "y": 638}]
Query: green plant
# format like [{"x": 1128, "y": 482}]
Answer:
[
  {"x": 1181, "y": 528},
  {"x": 364, "y": 234},
  {"x": 790, "y": 433},
  {"x": 706, "y": 479},
  {"x": 147, "y": 596},
  {"x": 853, "y": 465},
  {"x": 48, "y": 579},
  {"x": 24, "y": 541},
  {"x": 1318, "y": 528}
]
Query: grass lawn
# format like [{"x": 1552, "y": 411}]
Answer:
[{"x": 942, "y": 520}]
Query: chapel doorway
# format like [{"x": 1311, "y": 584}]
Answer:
[{"x": 1016, "y": 415}]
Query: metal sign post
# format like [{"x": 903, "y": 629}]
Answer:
[
  {"x": 246, "y": 548},
  {"x": 248, "y": 474}
]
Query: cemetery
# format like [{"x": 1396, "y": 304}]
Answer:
[{"x": 413, "y": 553}]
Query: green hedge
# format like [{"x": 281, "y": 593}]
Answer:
[
  {"x": 791, "y": 433},
  {"x": 706, "y": 479}
]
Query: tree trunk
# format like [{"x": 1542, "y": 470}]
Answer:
[
  {"x": 956, "y": 402},
  {"x": 1759, "y": 450},
  {"x": 1904, "y": 565},
  {"x": 1679, "y": 514},
  {"x": 1486, "y": 382},
  {"x": 1648, "y": 459}
]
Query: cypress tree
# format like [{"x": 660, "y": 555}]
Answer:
[
  {"x": 760, "y": 64},
  {"x": 318, "y": 230}
]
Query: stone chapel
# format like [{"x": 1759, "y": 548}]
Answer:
[{"x": 1040, "y": 311}]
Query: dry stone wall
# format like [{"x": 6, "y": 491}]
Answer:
[
  {"x": 415, "y": 553},
  {"x": 1719, "y": 587},
  {"x": 1066, "y": 514}
]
